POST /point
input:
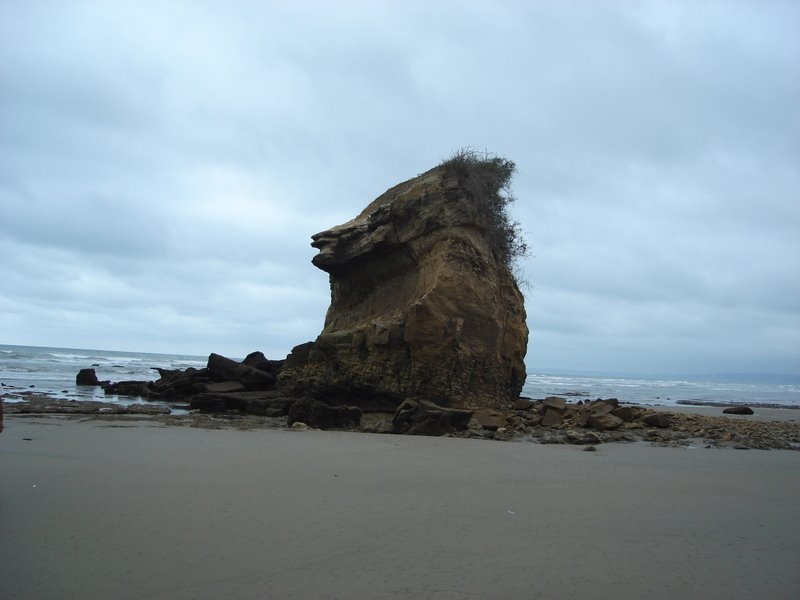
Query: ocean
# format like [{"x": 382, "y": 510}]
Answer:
[
  {"x": 52, "y": 371},
  {"x": 664, "y": 392}
]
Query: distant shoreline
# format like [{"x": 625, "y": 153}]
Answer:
[
  {"x": 717, "y": 378},
  {"x": 726, "y": 377},
  {"x": 727, "y": 404}
]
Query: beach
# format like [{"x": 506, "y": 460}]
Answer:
[
  {"x": 136, "y": 509},
  {"x": 759, "y": 413}
]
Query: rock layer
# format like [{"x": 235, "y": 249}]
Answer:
[{"x": 422, "y": 306}]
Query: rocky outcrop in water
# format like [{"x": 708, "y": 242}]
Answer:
[
  {"x": 423, "y": 304},
  {"x": 86, "y": 377}
]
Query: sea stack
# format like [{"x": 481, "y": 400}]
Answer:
[{"x": 424, "y": 305}]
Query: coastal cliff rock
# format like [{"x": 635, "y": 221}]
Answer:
[{"x": 423, "y": 302}]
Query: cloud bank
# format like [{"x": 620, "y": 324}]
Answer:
[{"x": 163, "y": 166}]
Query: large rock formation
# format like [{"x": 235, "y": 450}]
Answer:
[{"x": 423, "y": 304}]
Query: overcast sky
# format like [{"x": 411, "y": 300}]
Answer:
[{"x": 164, "y": 164}]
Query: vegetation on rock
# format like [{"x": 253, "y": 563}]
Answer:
[{"x": 487, "y": 179}]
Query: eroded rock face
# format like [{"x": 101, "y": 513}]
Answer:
[{"x": 421, "y": 307}]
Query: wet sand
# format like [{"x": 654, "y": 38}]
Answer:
[
  {"x": 759, "y": 414},
  {"x": 126, "y": 510}
]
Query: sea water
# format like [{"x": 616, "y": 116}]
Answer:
[
  {"x": 664, "y": 391},
  {"x": 52, "y": 371}
]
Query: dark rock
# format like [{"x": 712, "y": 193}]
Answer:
[
  {"x": 230, "y": 370},
  {"x": 659, "y": 420},
  {"x": 552, "y": 417},
  {"x": 555, "y": 402},
  {"x": 224, "y": 387},
  {"x": 534, "y": 421},
  {"x": 570, "y": 412},
  {"x": 582, "y": 438},
  {"x": 267, "y": 404},
  {"x": 377, "y": 423},
  {"x": 352, "y": 393},
  {"x": 430, "y": 426},
  {"x": 257, "y": 360},
  {"x": 582, "y": 415},
  {"x": 86, "y": 377},
  {"x": 523, "y": 404},
  {"x": 626, "y": 413},
  {"x": 738, "y": 410},
  {"x": 318, "y": 414},
  {"x": 298, "y": 357},
  {"x": 180, "y": 384},
  {"x": 604, "y": 421},
  {"x": 274, "y": 407},
  {"x": 490, "y": 420},
  {"x": 419, "y": 417},
  {"x": 590, "y": 449},
  {"x": 216, "y": 403},
  {"x": 601, "y": 407},
  {"x": 127, "y": 388}
]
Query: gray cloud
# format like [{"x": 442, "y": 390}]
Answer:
[{"x": 162, "y": 166}]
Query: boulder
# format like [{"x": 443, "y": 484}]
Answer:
[
  {"x": 552, "y": 417},
  {"x": 490, "y": 420},
  {"x": 257, "y": 360},
  {"x": 626, "y": 413},
  {"x": 533, "y": 420},
  {"x": 230, "y": 370},
  {"x": 523, "y": 404},
  {"x": 423, "y": 303},
  {"x": 738, "y": 410},
  {"x": 604, "y": 421},
  {"x": 318, "y": 414},
  {"x": 582, "y": 415},
  {"x": 419, "y": 417},
  {"x": 555, "y": 402},
  {"x": 660, "y": 420},
  {"x": 128, "y": 388},
  {"x": 86, "y": 377},
  {"x": 602, "y": 407},
  {"x": 174, "y": 383}
]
